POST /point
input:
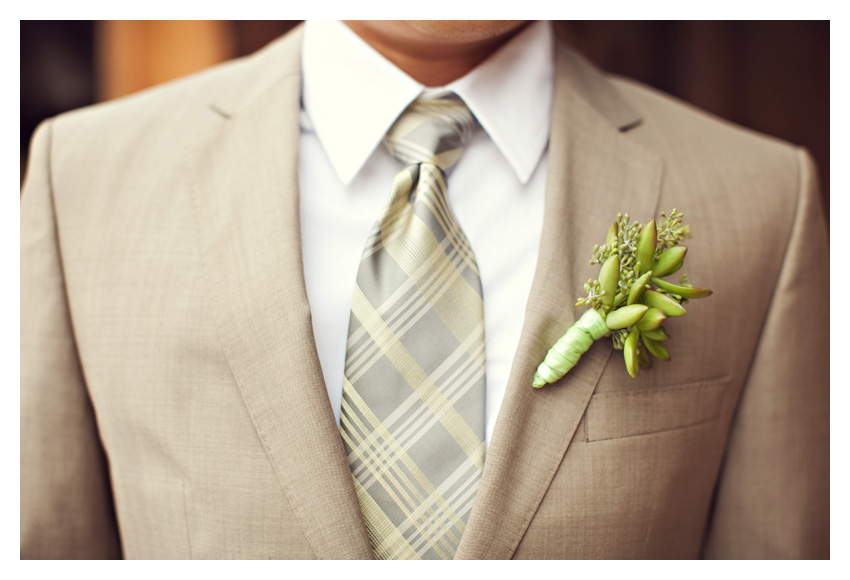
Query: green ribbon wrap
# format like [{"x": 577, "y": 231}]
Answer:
[{"x": 568, "y": 350}]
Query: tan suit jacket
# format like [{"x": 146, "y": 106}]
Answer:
[{"x": 172, "y": 402}]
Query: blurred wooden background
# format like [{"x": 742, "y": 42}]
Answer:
[{"x": 772, "y": 76}]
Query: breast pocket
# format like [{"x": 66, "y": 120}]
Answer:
[{"x": 616, "y": 415}]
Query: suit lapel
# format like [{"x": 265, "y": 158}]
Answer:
[
  {"x": 245, "y": 192},
  {"x": 594, "y": 171}
]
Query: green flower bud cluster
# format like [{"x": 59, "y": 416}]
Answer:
[
  {"x": 621, "y": 240},
  {"x": 619, "y": 338},
  {"x": 621, "y": 243},
  {"x": 631, "y": 300},
  {"x": 631, "y": 294},
  {"x": 594, "y": 295},
  {"x": 672, "y": 231}
]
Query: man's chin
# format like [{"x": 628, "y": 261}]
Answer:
[{"x": 466, "y": 30}]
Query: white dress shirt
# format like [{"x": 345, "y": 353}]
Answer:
[{"x": 351, "y": 96}]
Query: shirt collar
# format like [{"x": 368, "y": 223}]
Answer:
[{"x": 352, "y": 95}]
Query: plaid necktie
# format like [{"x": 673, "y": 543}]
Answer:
[{"x": 413, "y": 394}]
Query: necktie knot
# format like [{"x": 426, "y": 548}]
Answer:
[{"x": 432, "y": 131}]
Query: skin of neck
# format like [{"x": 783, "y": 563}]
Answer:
[{"x": 436, "y": 52}]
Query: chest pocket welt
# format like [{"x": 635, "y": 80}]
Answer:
[{"x": 643, "y": 411}]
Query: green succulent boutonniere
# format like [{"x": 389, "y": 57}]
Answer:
[{"x": 624, "y": 305}]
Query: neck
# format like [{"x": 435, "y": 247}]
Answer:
[{"x": 434, "y": 62}]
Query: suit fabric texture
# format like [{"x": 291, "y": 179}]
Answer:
[{"x": 172, "y": 401}]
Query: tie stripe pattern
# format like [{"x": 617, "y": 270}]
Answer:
[{"x": 413, "y": 394}]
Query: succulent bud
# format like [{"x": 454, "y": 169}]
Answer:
[
  {"x": 609, "y": 276},
  {"x": 625, "y": 316},
  {"x": 653, "y": 318},
  {"x": 658, "y": 335},
  {"x": 638, "y": 287},
  {"x": 668, "y": 261},
  {"x": 646, "y": 244},
  {"x": 657, "y": 300},
  {"x": 687, "y": 292},
  {"x": 612, "y": 235},
  {"x": 656, "y": 348},
  {"x": 630, "y": 353}
]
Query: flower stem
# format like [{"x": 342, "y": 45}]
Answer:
[{"x": 568, "y": 350}]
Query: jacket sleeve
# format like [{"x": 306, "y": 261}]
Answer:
[
  {"x": 66, "y": 503},
  {"x": 772, "y": 499}
]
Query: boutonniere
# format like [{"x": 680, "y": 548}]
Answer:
[{"x": 631, "y": 300}]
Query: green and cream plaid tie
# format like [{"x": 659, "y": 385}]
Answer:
[{"x": 413, "y": 394}]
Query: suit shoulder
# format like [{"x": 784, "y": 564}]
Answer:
[
  {"x": 721, "y": 172},
  {"x": 699, "y": 147},
  {"x": 680, "y": 120},
  {"x": 180, "y": 108},
  {"x": 164, "y": 100}
]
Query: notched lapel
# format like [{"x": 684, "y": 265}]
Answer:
[
  {"x": 594, "y": 171},
  {"x": 245, "y": 194}
]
